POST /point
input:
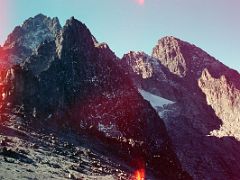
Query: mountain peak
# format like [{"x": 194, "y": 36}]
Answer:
[
  {"x": 169, "y": 40},
  {"x": 182, "y": 58},
  {"x": 74, "y": 22},
  {"x": 76, "y": 27},
  {"x": 33, "y": 32},
  {"x": 25, "y": 39},
  {"x": 75, "y": 35},
  {"x": 40, "y": 16},
  {"x": 169, "y": 51}
]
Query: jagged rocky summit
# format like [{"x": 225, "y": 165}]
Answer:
[
  {"x": 64, "y": 78},
  {"x": 202, "y": 116}
]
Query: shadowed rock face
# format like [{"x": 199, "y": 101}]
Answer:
[
  {"x": 206, "y": 96},
  {"x": 72, "y": 81}
]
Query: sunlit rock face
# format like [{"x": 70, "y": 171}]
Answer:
[
  {"x": 168, "y": 51},
  {"x": 141, "y": 66},
  {"x": 203, "y": 120},
  {"x": 183, "y": 59},
  {"x": 224, "y": 97},
  {"x": 72, "y": 81}
]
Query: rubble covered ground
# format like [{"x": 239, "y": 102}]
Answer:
[{"x": 28, "y": 152}]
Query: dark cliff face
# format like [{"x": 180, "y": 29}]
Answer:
[
  {"x": 205, "y": 109},
  {"x": 74, "y": 81}
]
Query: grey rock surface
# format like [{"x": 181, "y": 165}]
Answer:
[{"x": 204, "y": 120}]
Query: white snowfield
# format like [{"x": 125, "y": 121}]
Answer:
[{"x": 155, "y": 101}]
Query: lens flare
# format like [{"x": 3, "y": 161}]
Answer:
[
  {"x": 4, "y": 21},
  {"x": 140, "y": 2},
  {"x": 139, "y": 174}
]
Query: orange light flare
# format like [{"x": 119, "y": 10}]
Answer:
[
  {"x": 139, "y": 174},
  {"x": 140, "y": 2},
  {"x": 4, "y": 22},
  {"x": 4, "y": 17}
]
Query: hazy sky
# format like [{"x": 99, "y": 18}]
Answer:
[{"x": 126, "y": 25}]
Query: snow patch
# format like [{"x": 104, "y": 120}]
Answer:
[{"x": 155, "y": 101}]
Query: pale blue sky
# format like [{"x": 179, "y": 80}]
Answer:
[{"x": 125, "y": 25}]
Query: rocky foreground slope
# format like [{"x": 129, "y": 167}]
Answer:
[
  {"x": 203, "y": 117},
  {"x": 62, "y": 78},
  {"x": 33, "y": 152}
]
